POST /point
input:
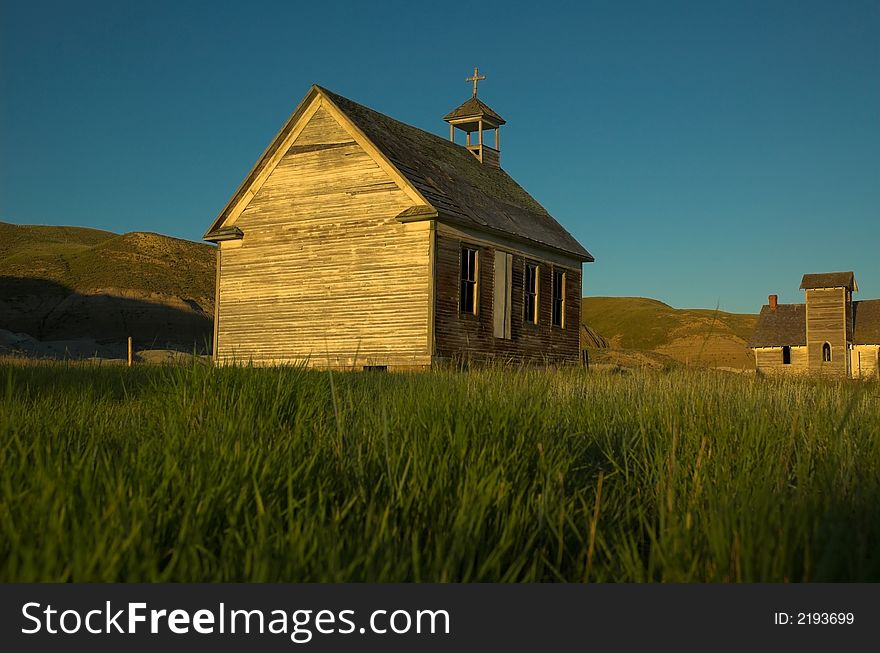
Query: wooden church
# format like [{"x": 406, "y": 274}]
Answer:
[
  {"x": 360, "y": 242},
  {"x": 829, "y": 335}
]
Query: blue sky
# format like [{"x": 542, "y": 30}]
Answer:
[{"x": 707, "y": 153}]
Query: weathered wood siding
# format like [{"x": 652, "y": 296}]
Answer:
[
  {"x": 324, "y": 272},
  {"x": 491, "y": 157},
  {"x": 768, "y": 361},
  {"x": 827, "y": 322},
  {"x": 472, "y": 336},
  {"x": 865, "y": 363},
  {"x": 848, "y": 315}
]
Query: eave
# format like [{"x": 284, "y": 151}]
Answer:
[
  {"x": 428, "y": 212},
  {"x": 224, "y": 233}
]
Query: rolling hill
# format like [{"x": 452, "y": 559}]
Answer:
[
  {"x": 84, "y": 291},
  {"x": 692, "y": 336},
  {"x": 87, "y": 259},
  {"x": 73, "y": 289}
]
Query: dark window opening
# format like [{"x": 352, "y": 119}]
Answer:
[
  {"x": 826, "y": 353},
  {"x": 530, "y": 305},
  {"x": 786, "y": 355},
  {"x": 468, "y": 294},
  {"x": 558, "y": 295}
]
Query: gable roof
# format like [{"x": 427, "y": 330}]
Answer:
[
  {"x": 459, "y": 188},
  {"x": 866, "y": 322},
  {"x": 785, "y": 326},
  {"x": 829, "y": 280}
]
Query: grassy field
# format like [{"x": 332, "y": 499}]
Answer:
[{"x": 196, "y": 474}]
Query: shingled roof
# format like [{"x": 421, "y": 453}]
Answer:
[
  {"x": 866, "y": 322},
  {"x": 785, "y": 326},
  {"x": 829, "y": 280},
  {"x": 474, "y": 108},
  {"x": 453, "y": 180}
]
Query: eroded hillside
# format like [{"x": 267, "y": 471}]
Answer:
[{"x": 86, "y": 289}]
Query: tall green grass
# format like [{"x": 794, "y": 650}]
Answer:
[{"x": 237, "y": 474}]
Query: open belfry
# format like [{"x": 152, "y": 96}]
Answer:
[
  {"x": 361, "y": 242},
  {"x": 475, "y": 117}
]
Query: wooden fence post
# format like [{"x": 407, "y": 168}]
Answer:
[{"x": 129, "y": 351}]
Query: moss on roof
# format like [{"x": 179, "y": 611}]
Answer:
[{"x": 455, "y": 182}]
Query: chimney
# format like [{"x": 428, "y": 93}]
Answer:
[{"x": 772, "y": 299}]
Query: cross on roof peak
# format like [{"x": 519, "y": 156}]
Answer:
[{"x": 476, "y": 78}]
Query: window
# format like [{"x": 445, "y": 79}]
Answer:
[
  {"x": 558, "y": 295},
  {"x": 468, "y": 295},
  {"x": 786, "y": 355},
  {"x": 530, "y": 301},
  {"x": 826, "y": 353}
]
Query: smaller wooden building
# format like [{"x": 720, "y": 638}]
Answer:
[{"x": 828, "y": 335}]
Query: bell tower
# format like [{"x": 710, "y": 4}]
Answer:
[
  {"x": 476, "y": 117},
  {"x": 829, "y": 321}
]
